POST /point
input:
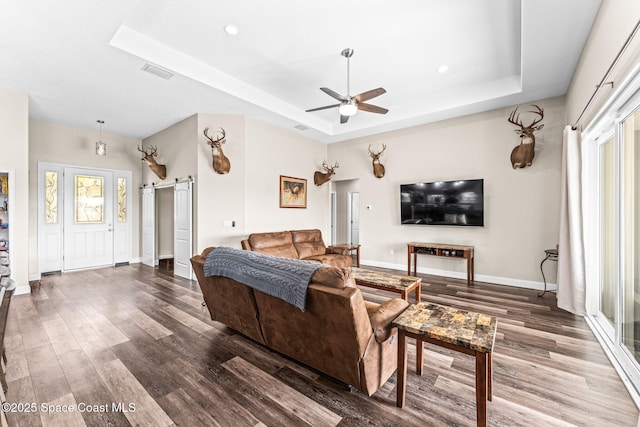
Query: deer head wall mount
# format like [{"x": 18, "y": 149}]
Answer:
[
  {"x": 378, "y": 168},
  {"x": 522, "y": 155},
  {"x": 221, "y": 163},
  {"x": 320, "y": 178},
  {"x": 149, "y": 158}
]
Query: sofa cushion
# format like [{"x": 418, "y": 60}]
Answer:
[
  {"x": 342, "y": 261},
  {"x": 277, "y": 244},
  {"x": 334, "y": 277},
  {"x": 308, "y": 243}
]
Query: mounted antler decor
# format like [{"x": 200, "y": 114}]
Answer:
[
  {"x": 522, "y": 155},
  {"x": 221, "y": 163},
  {"x": 149, "y": 158},
  {"x": 320, "y": 178},
  {"x": 378, "y": 168}
]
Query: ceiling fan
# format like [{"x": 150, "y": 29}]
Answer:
[{"x": 349, "y": 105}]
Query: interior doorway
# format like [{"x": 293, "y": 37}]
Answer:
[
  {"x": 164, "y": 228},
  {"x": 334, "y": 212},
  {"x": 346, "y": 220},
  {"x": 167, "y": 228},
  {"x": 353, "y": 218}
]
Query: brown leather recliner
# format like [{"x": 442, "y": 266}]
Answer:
[
  {"x": 338, "y": 334},
  {"x": 300, "y": 244}
]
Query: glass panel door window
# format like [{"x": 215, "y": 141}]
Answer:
[
  {"x": 630, "y": 307},
  {"x": 608, "y": 266},
  {"x": 611, "y": 156},
  {"x": 89, "y": 196}
]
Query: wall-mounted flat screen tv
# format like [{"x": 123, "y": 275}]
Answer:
[{"x": 459, "y": 203}]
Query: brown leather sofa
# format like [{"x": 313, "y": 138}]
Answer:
[
  {"x": 301, "y": 244},
  {"x": 338, "y": 334}
]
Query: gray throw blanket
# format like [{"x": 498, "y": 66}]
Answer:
[{"x": 283, "y": 278}]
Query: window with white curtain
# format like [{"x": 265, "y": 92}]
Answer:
[{"x": 611, "y": 158}]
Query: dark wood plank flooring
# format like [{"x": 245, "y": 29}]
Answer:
[{"x": 134, "y": 346}]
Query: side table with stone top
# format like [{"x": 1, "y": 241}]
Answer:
[{"x": 464, "y": 331}]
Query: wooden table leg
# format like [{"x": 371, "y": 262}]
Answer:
[
  {"x": 472, "y": 272},
  {"x": 419, "y": 356},
  {"x": 402, "y": 369},
  {"x": 409, "y": 261},
  {"x": 418, "y": 292},
  {"x": 415, "y": 264},
  {"x": 358, "y": 256},
  {"x": 404, "y": 295},
  {"x": 489, "y": 377},
  {"x": 481, "y": 389}
]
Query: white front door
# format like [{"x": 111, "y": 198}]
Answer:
[
  {"x": 182, "y": 233},
  {"x": 88, "y": 222},
  {"x": 149, "y": 227}
]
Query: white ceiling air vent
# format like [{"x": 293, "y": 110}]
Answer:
[
  {"x": 157, "y": 71},
  {"x": 301, "y": 127}
]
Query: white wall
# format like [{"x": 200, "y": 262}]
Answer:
[
  {"x": 176, "y": 150},
  {"x": 521, "y": 206},
  {"x": 14, "y": 146},
  {"x": 271, "y": 152},
  {"x": 613, "y": 25},
  {"x": 220, "y": 197},
  {"x": 68, "y": 145},
  {"x": 249, "y": 194}
]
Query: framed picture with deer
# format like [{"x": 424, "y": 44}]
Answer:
[{"x": 293, "y": 192}]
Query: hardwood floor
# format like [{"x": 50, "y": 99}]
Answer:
[{"x": 134, "y": 346}]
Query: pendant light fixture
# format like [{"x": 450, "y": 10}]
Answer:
[{"x": 101, "y": 147}]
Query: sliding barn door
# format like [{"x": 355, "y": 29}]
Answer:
[
  {"x": 182, "y": 232},
  {"x": 149, "y": 227}
]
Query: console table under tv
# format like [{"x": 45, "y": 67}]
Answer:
[{"x": 440, "y": 250}]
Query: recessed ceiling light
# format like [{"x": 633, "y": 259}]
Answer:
[
  {"x": 442, "y": 69},
  {"x": 230, "y": 29}
]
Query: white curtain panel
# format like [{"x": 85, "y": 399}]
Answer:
[{"x": 571, "y": 272}]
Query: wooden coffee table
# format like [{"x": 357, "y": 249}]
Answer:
[
  {"x": 402, "y": 285},
  {"x": 459, "y": 330}
]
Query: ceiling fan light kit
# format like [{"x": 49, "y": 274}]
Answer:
[
  {"x": 348, "y": 109},
  {"x": 349, "y": 105}
]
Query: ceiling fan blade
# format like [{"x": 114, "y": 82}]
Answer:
[
  {"x": 333, "y": 94},
  {"x": 322, "y": 108},
  {"x": 372, "y": 108},
  {"x": 343, "y": 119},
  {"x": 370, "y": 94}
]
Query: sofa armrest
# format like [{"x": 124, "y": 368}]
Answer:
[
  {"x": 338, "y": 250},
  {"x": 382, "y": 316}
]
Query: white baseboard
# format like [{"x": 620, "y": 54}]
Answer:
[
  {"x": 518, "y": 283},
  {"x": 21, "y": 290},
  {"x": 38, "y": 276}
]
